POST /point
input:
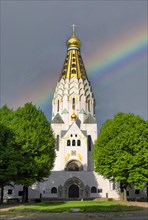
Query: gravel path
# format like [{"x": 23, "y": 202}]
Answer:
[
  {"x": 75, "y": 217},
  {"x": 79, "y": 216}
]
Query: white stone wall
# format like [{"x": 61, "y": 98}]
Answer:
[
  {"x": 89, "y": 178},
  {"x": 33, "y": 193}
]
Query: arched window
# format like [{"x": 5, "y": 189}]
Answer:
[
  {"x": 73, "y": 143},
  {"x": 73, "y": 71},
  {"x": 68, "y": 142},
  {"x": 57, "y": 143},
  {"x": 93, "y": 189},
  {"x": 89, "y": 105},
  {"x": 74, "y": 165},
  {"x": 53, "y": 190},
  {"x": 94, "y": 107},
  {"x": 78, "y": 143},
  {"x": 73, "y": 103},
  {"x": 58, "y": 106},
  {"x": 89, "y": 142}
]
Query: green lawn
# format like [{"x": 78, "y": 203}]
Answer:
[{"x": 84, "y": 206}]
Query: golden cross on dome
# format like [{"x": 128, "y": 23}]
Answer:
[{"x": 73, "y": 28}]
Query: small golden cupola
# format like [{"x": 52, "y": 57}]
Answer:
[
  {"x": 73, "y": 116},
  {"x": 73, "y": 42},
  {"x": 73, "y": 64}
]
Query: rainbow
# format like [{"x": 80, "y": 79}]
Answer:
[
  {"x": 118, "y": 53},
  {"x": 108, "y": 60}
]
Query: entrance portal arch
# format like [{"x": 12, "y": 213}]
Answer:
[{"x": 74, "y": 188}]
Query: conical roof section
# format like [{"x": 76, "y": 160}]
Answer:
[{"x": 73, "y": 65}]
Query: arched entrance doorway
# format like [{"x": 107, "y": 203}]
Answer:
[
  {"x": 73, "y": 191},
  {"x": 73, "y": 188}
]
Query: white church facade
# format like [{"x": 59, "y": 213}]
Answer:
[{"x": 75, "y": 129}]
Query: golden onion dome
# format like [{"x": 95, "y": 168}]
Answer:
[
  {"x": 73, "y": 41},
  {"x": 73, "y": 116}
]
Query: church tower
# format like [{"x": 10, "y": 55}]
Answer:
[
  {"x": 75, "y": 129},
  {"x": 73, "y": 118}
]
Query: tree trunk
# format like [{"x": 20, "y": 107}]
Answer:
[
  {"x": 147, "y": 193},
  {"x": 125, "y": 195},
  {"x": 2, "y": 195},
  {"x": 25, "y": 194}
]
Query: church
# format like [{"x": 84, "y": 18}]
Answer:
[
  {"x": 75, "y": 129},
  {"x": 74, "y": 124}
]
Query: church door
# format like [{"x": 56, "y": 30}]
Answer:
[{"x": 73, "y": 191}]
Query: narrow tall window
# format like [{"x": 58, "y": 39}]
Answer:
[
  {"x": 94, "y": 108},
  {"x": 78, "y": 143},
  {"x": 73, "y": 142},
  {"x": 58, "y": 106},
  {"x": 57, "y": 144},
  {"x": 89, "y": 142},
  {"x": 73, "y": 103},
  {"x": 89, "y": 105},
  {"x": 68, "y": 142}
]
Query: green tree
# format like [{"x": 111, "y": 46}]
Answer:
[
  {"x": 121, "y": 151},
  {"x": 8, "y": 157},
  {"x": 34, "y": 145},
  {"x": 37, "y": 143}
]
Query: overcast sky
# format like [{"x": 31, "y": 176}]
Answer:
[{"x": 112, "y": 34}]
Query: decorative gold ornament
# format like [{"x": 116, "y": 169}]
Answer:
[
  {"x": 73, "y": 153},
  {"x": 74, "y": 116},
  {"x": 80, "y": 137},
  {"x": 73, "y": 41},
  {"x": 67, "y": 156},
  {"x": 70, "y": 98},
  {"x": 80, "y": 157}
]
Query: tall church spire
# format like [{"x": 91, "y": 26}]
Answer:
[{"x": 73, "y": 64}]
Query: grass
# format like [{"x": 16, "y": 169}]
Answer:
[
  {"x": 84, "y": 206},
  {"x": 49, "y": 210}
]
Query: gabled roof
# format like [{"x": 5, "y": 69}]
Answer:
[
  {"x": 78, "y": 122},
  {"x": 75, "y": 126},
  {"x": 63, "y": 132},
  {"x": 85, "y": 133},
  {"x": 57, "y": 119},
  {"x": 90, "y": 120}
]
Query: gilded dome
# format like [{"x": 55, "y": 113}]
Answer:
[{"x": 73, "y": 41}]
